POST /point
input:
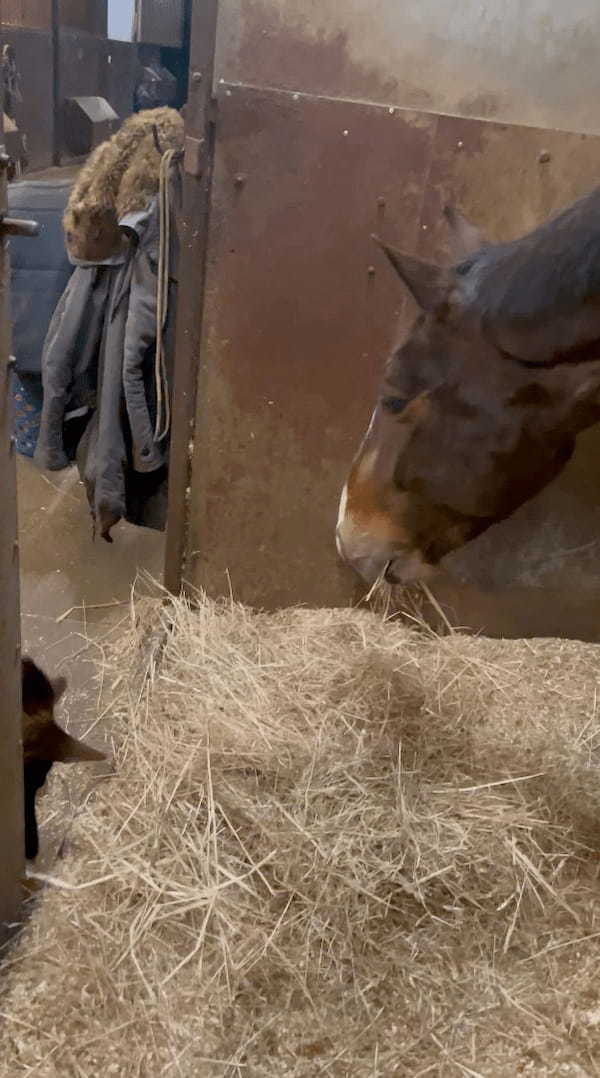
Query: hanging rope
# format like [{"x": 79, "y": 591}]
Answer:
[{"x": 163, "y": 403}]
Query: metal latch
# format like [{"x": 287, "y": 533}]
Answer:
[
  {"x": 194, "y": 156},
  {"x": 14, "y": 226}
]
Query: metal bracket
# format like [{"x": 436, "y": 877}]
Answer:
[
  {"x": 193, "y": 157},
  {"x": 14, "y": 226}
]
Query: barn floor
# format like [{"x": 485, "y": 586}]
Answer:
[
  {"x": 63, "y": 572},
  {"x": 74, "y": 591}
]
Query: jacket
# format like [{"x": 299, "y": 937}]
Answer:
[{"x": 100, "y": 376}]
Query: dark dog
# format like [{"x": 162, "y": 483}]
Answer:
[{"x": 44, "y": 742}]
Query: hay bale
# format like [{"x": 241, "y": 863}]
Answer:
[{"x": 333, "y": 845}]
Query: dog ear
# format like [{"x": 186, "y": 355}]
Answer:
[
  {"x": 56, "y": 745},
  {"x": 37, "y": 691}
]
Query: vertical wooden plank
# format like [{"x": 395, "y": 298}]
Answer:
[
  {"x": 192, "y": 275},
  {"x": 57, "y": 112},
  {"x": 11, "y": 766}
]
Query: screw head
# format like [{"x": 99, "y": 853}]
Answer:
[
  {"x": 196, "y": 76},
  {"x": 544, "y": 157}
]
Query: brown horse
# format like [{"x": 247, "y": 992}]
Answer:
[
  {"x": 480, "y": 405},
  {"x": 44, "y": 742}
]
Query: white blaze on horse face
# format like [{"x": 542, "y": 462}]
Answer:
[
  {"x": 351, "y": 536},
  {"x": 367, "y": 465},
  {"x": 341, "y": 518},
  {"x": 370, "y": 427}
]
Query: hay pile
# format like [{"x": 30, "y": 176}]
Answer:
[{"x": 333, "y": 846}]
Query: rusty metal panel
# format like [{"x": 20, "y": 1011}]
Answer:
[
  {"x": 11, "y": 759},
  {"x": 89, "y": 15},
  {"x": 299, "y": 314},
  {"x": 507, "y": 177},
  {"x": 160, "y": 22},
  {"x": 539, "y": 572},
  {"x": 35, "y": 114},
  {"x": 533, "y": 63},
  {"x": 121, "y": 75},
  {"x": 30, "y": 14}
]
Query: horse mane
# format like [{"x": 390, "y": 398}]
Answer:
[{"x": 554, "y": 269}]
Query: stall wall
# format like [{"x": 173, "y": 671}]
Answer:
[
  {"x": 88, "y": 65},
  {"x": 313, "y": 154},
  {"x": 520, "y": 61}
]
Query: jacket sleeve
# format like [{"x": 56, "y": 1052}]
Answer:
[
  {"x": 140, "y": 337},
  {"x": 58, "y": 359}
]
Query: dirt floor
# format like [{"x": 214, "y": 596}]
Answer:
[
  {"x": 70, "y": 584},
  {"x": 63, "y": 571},
  {"x": 74, "y": 591}
]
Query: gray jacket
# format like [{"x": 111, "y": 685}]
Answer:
[{"x": 98, "y": 369}]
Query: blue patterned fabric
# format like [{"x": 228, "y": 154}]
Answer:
[{"x": 27, "y": 401}]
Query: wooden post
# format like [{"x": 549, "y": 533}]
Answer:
[{"x": 11, "y": 761}]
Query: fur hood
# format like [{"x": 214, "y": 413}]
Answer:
[{"x": 120, "y": 176}]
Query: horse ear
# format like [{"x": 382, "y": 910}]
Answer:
[
  {"x": 428, "y": 284},
  {"x": 465, "y": 238}
]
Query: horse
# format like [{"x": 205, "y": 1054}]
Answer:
[
  {"x": 480, "y": 405},
  {"x": 44, "y": 742}
]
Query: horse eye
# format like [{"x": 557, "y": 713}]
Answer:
[{"x": 394, "y": 404}]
